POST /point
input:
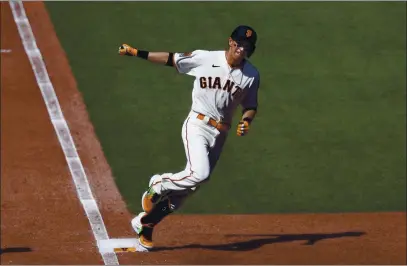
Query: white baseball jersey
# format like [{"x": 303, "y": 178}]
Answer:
[{"x": 218, "y": 88}]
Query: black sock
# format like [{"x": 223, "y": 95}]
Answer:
[{"x": 158, "y": 213}]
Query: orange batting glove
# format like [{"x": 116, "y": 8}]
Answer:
[
  {"x": 126, "y": 49},
  {"x": 243, "y": 127}
]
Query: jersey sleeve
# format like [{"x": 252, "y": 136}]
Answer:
[
  {"x": 186, "y": 63},
  {"x": 250, "y": 99}
]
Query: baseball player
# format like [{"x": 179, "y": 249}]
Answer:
[{"x": 224, "y": 80}]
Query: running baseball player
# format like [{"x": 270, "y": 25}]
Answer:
[{"x": 224, "y": 80}]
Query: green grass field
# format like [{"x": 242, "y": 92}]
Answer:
[{"x": 330, "y": 133}]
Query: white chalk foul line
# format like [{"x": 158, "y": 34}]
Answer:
[{"x": 61, "y": 127}]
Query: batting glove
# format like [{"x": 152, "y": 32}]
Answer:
[
  {"x": 126, "y": 49},
  {"x": 243, "y": 128}
]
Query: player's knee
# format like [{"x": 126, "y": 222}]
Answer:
[{"x": 201, "y": 176}]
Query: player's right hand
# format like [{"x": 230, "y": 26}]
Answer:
[{"x": 126, "y": 49}]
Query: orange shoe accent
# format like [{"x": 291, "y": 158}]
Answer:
[{"x": 146, "y": 242}]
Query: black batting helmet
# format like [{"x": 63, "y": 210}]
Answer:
[{"x": 245, "y": 36}]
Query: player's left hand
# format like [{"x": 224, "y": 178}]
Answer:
[{"x": 243, "y": 128}]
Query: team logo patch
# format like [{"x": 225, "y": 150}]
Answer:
[{"x": 249, "y": 33}]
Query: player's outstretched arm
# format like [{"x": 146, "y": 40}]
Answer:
[{"x": 163, "y": 58}]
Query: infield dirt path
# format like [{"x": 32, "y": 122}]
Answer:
[{"x": 43, "y": 222}]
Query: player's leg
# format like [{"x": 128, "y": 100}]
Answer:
[
  {"x": 196, "y": 142},
  {"x": 145, "y": 223}
]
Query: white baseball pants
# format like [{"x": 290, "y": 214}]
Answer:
[{"x": 203, "y": 145}]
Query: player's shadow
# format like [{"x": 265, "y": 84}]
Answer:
[
  {"x": 254, "y": 243},
  {"x": 15, "y": 250}
]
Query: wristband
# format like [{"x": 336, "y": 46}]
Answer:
[
  {"x": 170, "y": 60},
  {"x": 142, "y": 54}
]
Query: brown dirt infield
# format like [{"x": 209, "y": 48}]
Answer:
[{"x": 42, "y": 221}]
